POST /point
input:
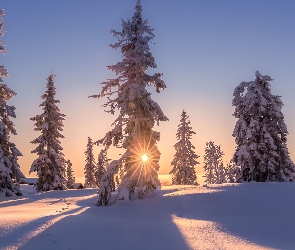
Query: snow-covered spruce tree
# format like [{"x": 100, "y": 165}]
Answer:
[
  {"x": 50, "y": 163},
  {"x": 231, "y": 172},
  {"x": 261, "y": 133},
  {"x": 70, "y": 179},
  {"x": 213, "y": 164},
  {"x": 15, "y": 168},
  {"x": 9, "y": 167},
  {"x": 90, "y": 167},
  {"x": 185, "y": 158},
  {"x": 133, "y": 128},
  {"x": 107, "y": 184},
  {"x": 102, "y": 163},
  {"x": 221, "y": 174}
]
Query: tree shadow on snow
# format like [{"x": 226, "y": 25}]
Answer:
[
  {"x": 39, "y": 196},
  {"x": 15, "y": 238},
  {"x": 261, "y": 213},
  {"x": 132, "y": 225}
]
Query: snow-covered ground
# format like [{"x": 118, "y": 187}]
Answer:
[{"x": 236, "y": 216}]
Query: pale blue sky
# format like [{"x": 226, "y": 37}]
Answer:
[{"x": 204, "y": 48}]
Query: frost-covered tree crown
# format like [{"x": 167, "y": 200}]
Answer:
[
  {"x": 213, "y": 164},
  {"x": 260, "y": 133},
  {"x": 133, "y": 128},
  {"x": 185, "y": 158},
  {"x": 50, "y": 163}
]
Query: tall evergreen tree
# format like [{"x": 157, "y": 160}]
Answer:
[
  {"x": 213, "y": 164},
  {"x": 133, "y": 128},
  {"x": 70, "y": 179},
  {"x": 261, "y": 133},
  {"x": 9, "y": 167},
  {"x": 89, "y": 169},
  {"x": 185, "y": 158},
  {"x": 102, "y": 163},
  {"x": 50, "y": 163}
]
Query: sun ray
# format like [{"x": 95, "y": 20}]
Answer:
[
  {"x": 139, "y": 176},
  {"x": 141, "y": 163},
  {"x": 134, "y": 172},
  {"x": 150, "y": 140}
]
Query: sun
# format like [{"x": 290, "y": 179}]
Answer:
[
  {"x": 144, "y": 157},
  {"x": 141, "y": 161}
]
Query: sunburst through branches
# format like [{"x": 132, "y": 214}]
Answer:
[{"x": 141, "y": 163}]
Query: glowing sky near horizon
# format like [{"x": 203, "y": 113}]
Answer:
[{"x": 203, "y": 48}]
